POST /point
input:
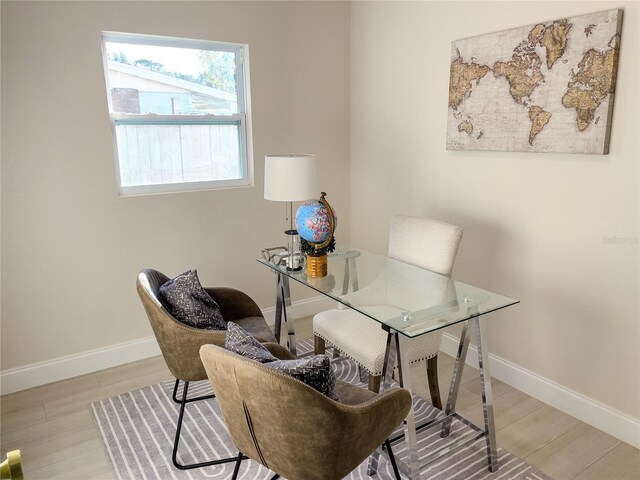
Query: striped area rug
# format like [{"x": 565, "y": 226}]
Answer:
[{"x": 138, "y": 427}]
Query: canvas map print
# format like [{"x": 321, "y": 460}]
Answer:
[{"x": 548, "y": 87}]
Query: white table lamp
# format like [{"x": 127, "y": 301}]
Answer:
[{"x": 290, "y": 177}]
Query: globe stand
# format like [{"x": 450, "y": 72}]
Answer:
[{"x": 317, "y": 264}]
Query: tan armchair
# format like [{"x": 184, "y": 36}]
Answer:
[
  {"x": 180, "y": 344},
  {"x": 294, "y": 430}
]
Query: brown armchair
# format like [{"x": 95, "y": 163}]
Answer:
[
  {"x": 294, "y": 430},
  {"x": 180, "y": 344}
]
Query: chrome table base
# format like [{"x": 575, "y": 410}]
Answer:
[
  {"x": 283, "y": 308},
  {"x": 411, "y": 468},
  {"x": 283, "y": 299},
  {"x": 397, "y": 349}
]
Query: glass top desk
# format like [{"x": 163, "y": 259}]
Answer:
[{"x": 407, "y": 301}]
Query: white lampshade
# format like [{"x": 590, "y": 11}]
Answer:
[{"x": 289, "y": 177}]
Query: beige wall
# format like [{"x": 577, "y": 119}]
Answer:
[
  {"x": 534, "y": 223},
  {"x": 70, "y": 247}
]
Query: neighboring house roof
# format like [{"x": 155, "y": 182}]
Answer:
[{"x": 176, "y": 82}]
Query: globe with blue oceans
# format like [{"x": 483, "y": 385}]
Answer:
[{"x": 313, "y": 222}]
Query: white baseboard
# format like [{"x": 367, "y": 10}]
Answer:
[
  {"x": 564, "y": 399},
  {"x": 36, "y": 374}
]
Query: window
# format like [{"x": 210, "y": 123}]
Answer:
[{"x": 180, "y": 113}]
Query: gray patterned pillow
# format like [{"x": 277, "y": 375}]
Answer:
[
  {"x": 315, "y": 371},
  {"x": 239, "y": 341},
  {"x": 188, "y": 302}
]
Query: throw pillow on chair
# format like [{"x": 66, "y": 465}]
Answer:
[
  {"x": 188, "y": 302},
  {"x": 315, "y": 371}
]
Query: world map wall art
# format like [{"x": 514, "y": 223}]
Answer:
[{"x": 548, "y": 87}]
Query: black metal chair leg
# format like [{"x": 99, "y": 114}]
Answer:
[
  {"x": 195, "y": 399},
  {"x": 392, "y": 458},
  {"x": 175, "y": 391},
  {"x": 237, "y": 466},
  {"x": 239, "y": 459},
  {"x": 174, "y": 459}
]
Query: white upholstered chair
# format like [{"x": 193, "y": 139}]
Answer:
[{"x": 423, "y": 242}]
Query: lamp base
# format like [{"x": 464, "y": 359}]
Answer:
[
  {"x": 316, "y": 265},
  {"x": 293, "y": 246}
]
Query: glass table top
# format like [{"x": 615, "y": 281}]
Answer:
[{"x": 409, "y": 299}]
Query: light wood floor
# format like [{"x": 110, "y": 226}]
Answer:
[{"x": 54, "y": 430}]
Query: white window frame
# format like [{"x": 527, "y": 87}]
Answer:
[{"x": 241, "y": 119}]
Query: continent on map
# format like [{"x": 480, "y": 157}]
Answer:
[
  {"x": 554, "y": 40},
  {"x": 539, "y": 118},
  {"x": 588, "y": 30},
  {"x": 523, "y": 70},
  {"x": 466, "y": 126},
  {"x": 590, "y": 85},
  {"x": 462, "y": 78}
]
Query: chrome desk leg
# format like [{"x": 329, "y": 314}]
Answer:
[
  {"x": 345, "y": 281},
  {"x": 288, "y": 316},
  {"x": 353, "y": 273},
  {"x": 277, "y": 328},
  {"x": 350, "y": 274},
  {"x": 487, "y": 396},
  {"x": 410, "y": 434},
  {"x": 390, "y": 355},
  {"x": 387, "y": 372},
  {"x": 458, "y": 367}
]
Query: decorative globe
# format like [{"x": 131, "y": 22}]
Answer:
[{"x": 313, "y": 223}]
